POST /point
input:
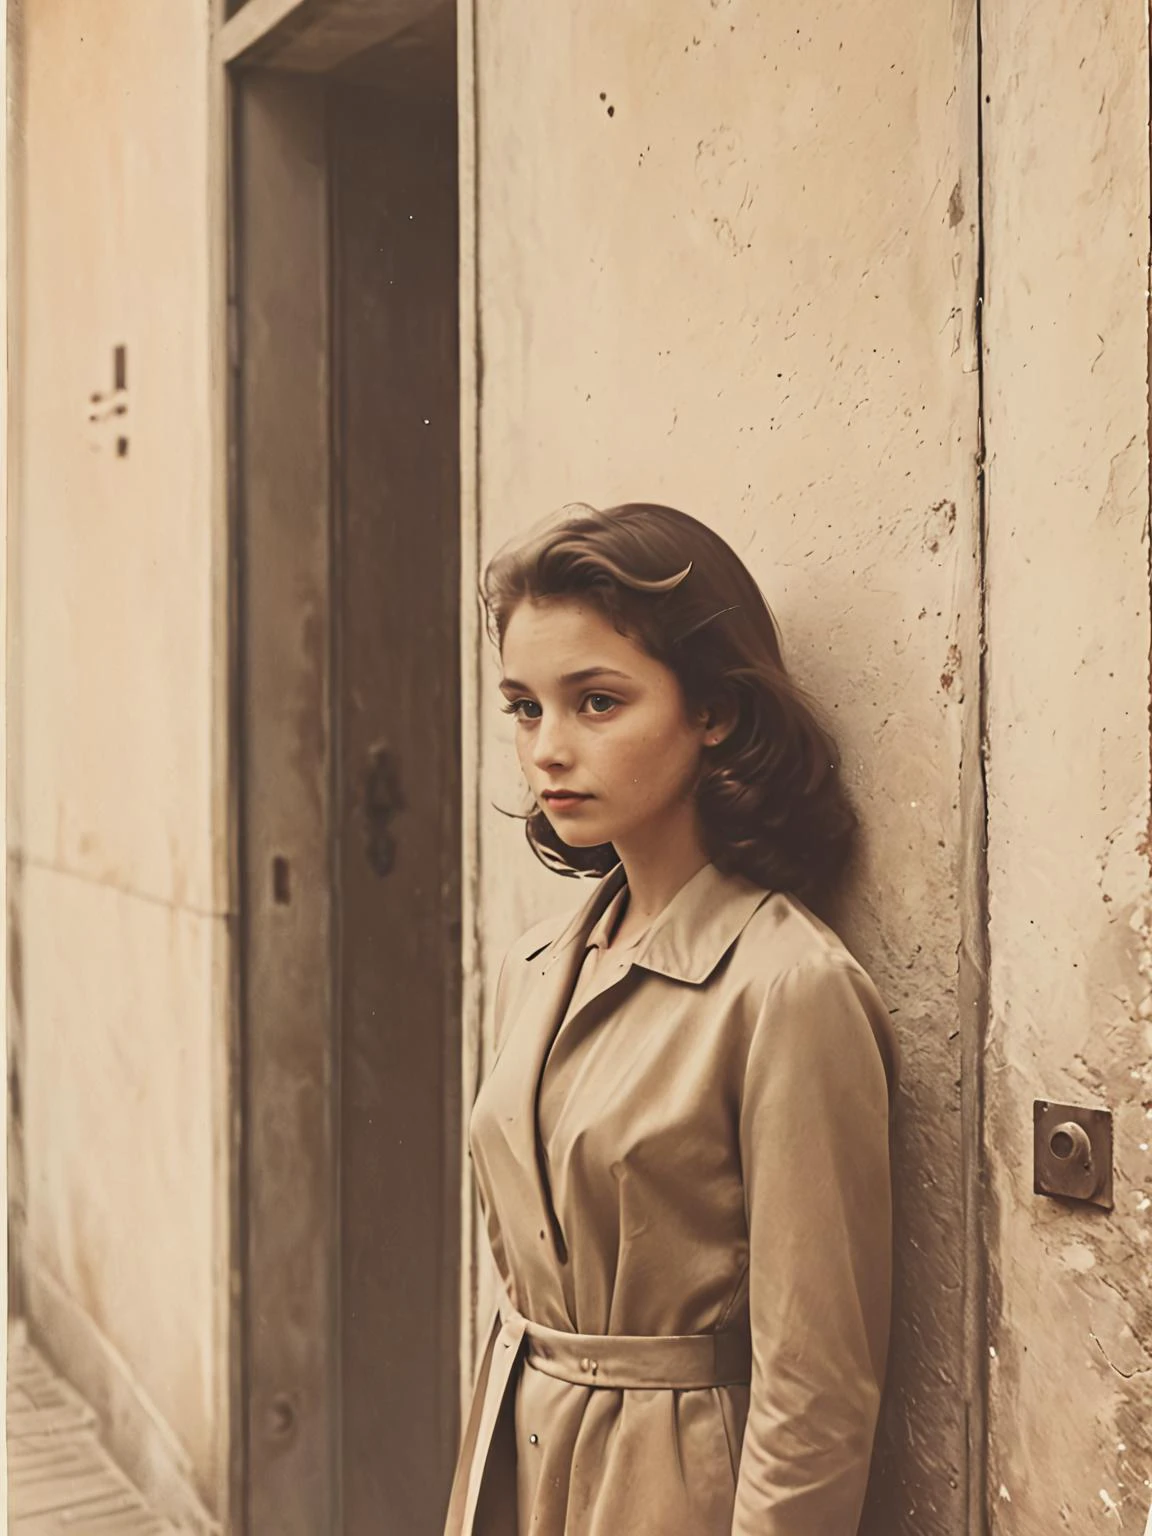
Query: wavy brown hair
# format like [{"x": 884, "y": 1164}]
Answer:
[{"x": 771, "y": 799}]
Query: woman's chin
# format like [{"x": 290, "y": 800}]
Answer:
[
  {"x": 570, "y": 830},
  {"x": 581, "y": 839}
]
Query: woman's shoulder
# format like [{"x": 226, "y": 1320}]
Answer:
[
  {"x": 784, "y": 934},
  {"x": 790, "y": 958}
]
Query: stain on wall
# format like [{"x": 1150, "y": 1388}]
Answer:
[{"x": 748, "y": 291}]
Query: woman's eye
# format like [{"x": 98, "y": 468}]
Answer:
[
  {"x": 521, "y": 708},
  {"x": 600, "y": 703}
]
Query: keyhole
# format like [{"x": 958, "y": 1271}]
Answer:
[
  {"x": 1070, "y": 1140},
  {"x": 281, "y": 1419}
]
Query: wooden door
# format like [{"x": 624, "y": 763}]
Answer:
[
  {"x": 397, "y": 790},
  {"x": 347, "y": 495}
]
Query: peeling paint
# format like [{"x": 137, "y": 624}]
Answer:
[
  {"x": 951, "y": 669},
  {"x": 1078, "y": 1257}
]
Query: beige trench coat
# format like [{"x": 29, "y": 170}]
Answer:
[{"x": 697, "y": 1267}]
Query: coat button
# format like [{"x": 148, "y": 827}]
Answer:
[
  {"x": 585, "y": 1365},
  {"x": 534, "y": 1439}
]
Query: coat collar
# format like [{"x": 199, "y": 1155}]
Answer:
[{"x": 692, "y": 934}]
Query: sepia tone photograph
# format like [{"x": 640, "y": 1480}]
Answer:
[{"x": 577, "y": 722}]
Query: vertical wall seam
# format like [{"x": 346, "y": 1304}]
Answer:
[
  {"x": 973, "y": 983},
  {"x": 976, "y": 1189}
]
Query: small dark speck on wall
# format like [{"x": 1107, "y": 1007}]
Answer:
[{"x": 121, "y": 447}]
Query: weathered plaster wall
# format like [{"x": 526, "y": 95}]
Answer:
[
  {"x": 726, "y": 260},
  {"x": 118, "y": 920},
  {"x": 1066, "y": 136}
]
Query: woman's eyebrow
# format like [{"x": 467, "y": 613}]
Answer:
[{"x": 583, "y": 676}]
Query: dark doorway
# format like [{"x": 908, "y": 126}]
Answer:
[{"x": 347, "y": 392}]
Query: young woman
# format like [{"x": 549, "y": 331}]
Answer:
[{"x": 682, "y": 1148}]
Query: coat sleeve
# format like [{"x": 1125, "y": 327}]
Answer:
[{"x": 814, "y": 1139}]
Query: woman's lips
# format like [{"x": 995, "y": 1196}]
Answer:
[{"x": 565, "y": 802}]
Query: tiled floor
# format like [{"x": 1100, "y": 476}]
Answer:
[{"x": 60, "y": 1480}]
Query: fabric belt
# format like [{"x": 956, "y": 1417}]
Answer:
[
  {"x": 679, "y": 1361},
  {"x": 669, "y": 1362}
]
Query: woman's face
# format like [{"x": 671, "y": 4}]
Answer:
[{"x": 605, "y": 741}]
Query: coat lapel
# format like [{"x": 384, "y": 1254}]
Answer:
[
  {"x": 541, "y": 1001},
  {"x": 685, "y": 943}
]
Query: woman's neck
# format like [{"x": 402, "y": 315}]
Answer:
[{"x": 655, "y": 874}]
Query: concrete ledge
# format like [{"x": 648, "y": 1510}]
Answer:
[{"x": 137, "y": 1437}]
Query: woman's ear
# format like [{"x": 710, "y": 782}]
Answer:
[{"x": 718, "y": 722}]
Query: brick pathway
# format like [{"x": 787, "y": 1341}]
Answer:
[{"x": 61, "y": 1481}]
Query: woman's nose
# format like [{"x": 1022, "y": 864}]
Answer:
[{"x": 550, "y": 749}]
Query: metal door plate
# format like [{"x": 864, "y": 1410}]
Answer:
[{"x": 1072, "y": 1152}]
